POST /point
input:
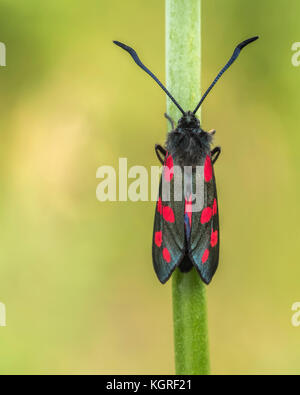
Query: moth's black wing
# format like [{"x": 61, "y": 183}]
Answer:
[
  {"x": 168, "y": 246},
  {"x": 203, "y": 245},
  {"x": 183, "y": 237}
]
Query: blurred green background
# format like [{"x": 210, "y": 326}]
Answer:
[{"x": 76, "y": 274}]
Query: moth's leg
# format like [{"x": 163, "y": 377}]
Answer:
[
  {"x": 215, "y": 154},
  {"x": 160, "y": 150},
  {"x": 170, "y": 120}
]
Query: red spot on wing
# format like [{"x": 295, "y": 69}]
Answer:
[
  {"x": 168, "y": 214},
  {"x": 205, "y": 256},
  {"x": 214, "y": 238},
  {"x": 188, "y": 209},
  {"x": 158, "y": 238},
  {"x": 215, "y": 207},
  {"x": 159, "y": 206},
  {"x": 169, "y": 169},
  {"x": 208, "y": 170},
  {"x": 166, "y": 255},
  {"x": 206, "y": 215}
]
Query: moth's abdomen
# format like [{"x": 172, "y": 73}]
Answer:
[{"x": 186, "y": 265}]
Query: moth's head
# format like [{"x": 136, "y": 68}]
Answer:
[{"x": 189, "y": 121}]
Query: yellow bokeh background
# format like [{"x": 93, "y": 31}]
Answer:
[{"x": 75, "y": 274}]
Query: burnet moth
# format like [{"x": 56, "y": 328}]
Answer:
[{"x": 184, "y": 237}]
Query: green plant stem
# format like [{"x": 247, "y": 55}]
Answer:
[{"x": 183, "y": 69}]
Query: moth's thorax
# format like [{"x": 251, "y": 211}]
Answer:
[{"x": 188, "y": 146}]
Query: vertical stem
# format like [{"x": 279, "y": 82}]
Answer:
[{"x": 183, "y": 65}]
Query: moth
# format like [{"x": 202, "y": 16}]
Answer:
[{"x": 186, "y": 236}]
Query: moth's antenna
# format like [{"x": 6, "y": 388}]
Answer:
[
  {"x": 231, "y": 60},
  {"x": 139, "y": 63}
]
